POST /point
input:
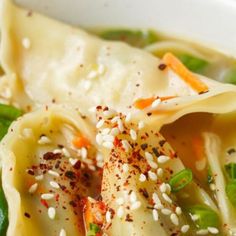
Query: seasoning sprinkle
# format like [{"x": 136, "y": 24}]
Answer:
[
  {"x": 166, "y": 197},
  {"x": 100, "y": 124},
  {"x": 108, "y": 145},
  {"x": 133, "y": 134},
  {"x": 202, "y": 232},
  {"x": 54, "y": 184},
  {"x": 125, "y": 167},
  {"x": 33, "y": 188},
  {"x": 178, "y": 211},
  {"x": 163, "y": 159},
  {"x": 185, "y": 228},
  {"x": 120, "y": 201},
  {"x": 160, "y": 172},
  {"x": 62, "y": 232},
  {"x": 44, "y": 140},
  {"x": 108, "y": 216},
  {"x": 135, "y": 205},
  {"x": 174, "y": 219},
  {"x": 51, "y": 213},
  {"x": 155, "y": 215},
  {"x": 141, "y": 125},
  {"x": 53, "y": 173},
  {"x": 213, "y": 230},
  {"x": 47, "y": 196},
  {"x": 39, "y": 177},
  {"x": 165, "y": 211},
  {"x": 152, "y": 175},
  {"x": 142, "y": 178},
  {"x": 126, "y": 145}
]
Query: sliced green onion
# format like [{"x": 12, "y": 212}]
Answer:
[
  {"x": 9, "y": 112},
  {"x": 194, "y": 64},
  {"x": 206, "y": 217},
  {"x": 136, "y": 38},
  {"x": 180, "y": 180},
  {"x": 93, "y": 230},
  {"x": 3, "y": 213},
  {"x": 231, "y": 170},
  {"x": 230, "y": 190}
]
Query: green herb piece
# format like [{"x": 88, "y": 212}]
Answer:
[
  {"x": 9, "y": 112},
  {"x": 206, "y": 217},
  {"x": 231, "y": 170},
  {"x": 209, "y": 176},
  {"x": 194, "y": 64},
  {"x": 93, "y": 229},
  {"x": 230, "y": 190},
  {"x": 136, "y": 38},
  {"x": 180, "y": 180},
  {"x": 231, "y": 76},
  {"x": 3, "y": 213}
]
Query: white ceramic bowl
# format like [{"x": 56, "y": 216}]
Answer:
[{"x": 210, "y": 22}]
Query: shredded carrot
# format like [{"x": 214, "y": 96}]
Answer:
[
  {"x": 80, "y": 142},
  {"x": 177, "y": 66}
]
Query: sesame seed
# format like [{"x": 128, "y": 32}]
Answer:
[
  {"x": 56, "y": 151},
  {"x": 165, "y": 211},
  {"x": 62, "y": 232},
  {"x": 47, "y": 196},
  {"x": 108, "y": 216},
  {"x": 168, "y": 189},
  {"x": 120, "y": 212},
  {"x": 156, "y": 103},
  {"x": 163, "y": 159},
  {"x": 155, "y": 198},
  {"x": 178, "y": 211},
  {"x": 44, "y": 140},
  {"x": 133, "y": 197},
  {"x": 54, "y": 184},
  {"x": 160, "y": 172},
  {"x": 194, "y": 217},
  {"x": 108, "y": 138},
  {"x": 105, "y": 131},
  {"x": 142, "y": 178},
  {"x": 120, "y": 125},
  {"x": 73, "y": 161},
  {"x": 155, "y": 215},
  {"x": 99, "y": 139},
  {"x": 152, "y": 164},
  {"x": 152, "y": 175},
  {"x": 115, "y": 119},
  {"x": 128, "y": 117},
  {"x": 125, "y": 167},
  {"x": 120, "y": 201},
  {"x": 100, "y": 124},
  {"x": 33, "y": 188},
  {"x": 53, "y": 173},
  {"x": 202, "y": 232},
  {"x": 141, "y": 125},
  {"x": 133, "y": 134},
  {"x": 126, "y": 145},
  {"x": 38, "y": 177},
  {"x": 51, "y": 213},
  {"x": 65, "y": 152},
  {"x": 213, "y": 230},
  {"x": 115, "y": 131},
  {"x": 108, "y": 145},
  {"x": 27, "y": 132},
  {"x": 166, "y": 197},
  {"x": 84, "y": 153},
  {"x": 174, "y": 219},
  {"x": 163, "y": 187},
  {"x": 26, "y": 43},
  {"x": 135, "y": 205},
  {"x": 158, "y": 206},
  {"x": 185, "y": 228},
  {"x": 149, "y": 156},
  {"x": 212, "y": 187},
  {"x": 92, "y": 74}
]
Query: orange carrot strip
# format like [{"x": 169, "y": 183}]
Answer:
[
  {"x": 80, "y": 142},
  {"x": 178, "y": 67}
]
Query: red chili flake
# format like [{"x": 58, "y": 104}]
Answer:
[
  {"x": 70, "y": 174},
  {"x": 117, "y": 142},
  {"x": 162, "y": 66},
  {"x": 128, "y": 218},
  {"x": 44, "y": 203},
  {"x": 27, "y": 215},
  {"x": 30, "y": 172},
  {"x": 51, "y": 156},
  {"x": 57, "y": 197},
  {"x": 77, "y": 165}
]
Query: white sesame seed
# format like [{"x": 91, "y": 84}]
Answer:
[
  {"x": 65, "y": 152},
  {"x": 160, "y": 172},
  {"x": 53, "y": 173},
  {"x": 44, "y": 140},
  {"x": 26, "y": 43},
  {"x": 168, "y": 188},
  {"x": 27, "y": 132},
  {"x": 133, "y": 134},
  {"x": 133, "y": 197},
  {"x": 141, "y": 125},
  {"x": 57, "y": 151},
  {"x": 163, "y": 159},
  {"x": 126, "y": 145},
  {"x": 185, "y": 228},
  {"x": 158, "y": 206},
  {"x": 54, "y": 184},
  {"x": 51, "y": 213},
  {"x": 194, "y": 217},
  {"x": 101, "y": 69},
  {"x": 212, "y": 187},
  {"x": 213, "y": 230},
  {"x": 108, "y": 138},
  {"x": 128, "y": 117},
  {"x": 142, "y": 178},
  {"x": 135, "y": 205},
  {"x": 105, "y": 131},
  {"x": 166, "y": 197},
  {"x": 120, "y": 201},
  {"x": 92, "y": 74},
  {"x": 115, "y": 119},
  {"x": 87, "y": 85},
  {"x": 120, "y": 212},
  {"x": 108, "y": 216},
  {"x": 99, "y": 139},
  {"x": 33, "y": 188},
  {"x": 125, "y": 167},
  {"x": 174, "y": 219},
  {"x": 178, "y": 211},
  {"x": 73, "y": 161},
  {"x": 155, "y": 198},
  {"x": 84, "y": 153},
  {"x": 163, "y": 187},
  {"x": 100, "y": 124},
  {"x": 120, "y": 125},
  {"x": 62, "y": 232},
  {"x": 152, "y": 175},
  {"x": 166, "y": 211},
  {"x": 38, "y": 177},
  {"x": 202, "y": 232},
  {"x": 155, "y": 215},
  {"x": 156, "y": 103},
  {"x": 115, "y": 131},
  {"x": 152, "y": 164},
  {"x": 149, "y": 156},
  {"x": 47, "y": 196},
  {"x": 108, "y": 145}
]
